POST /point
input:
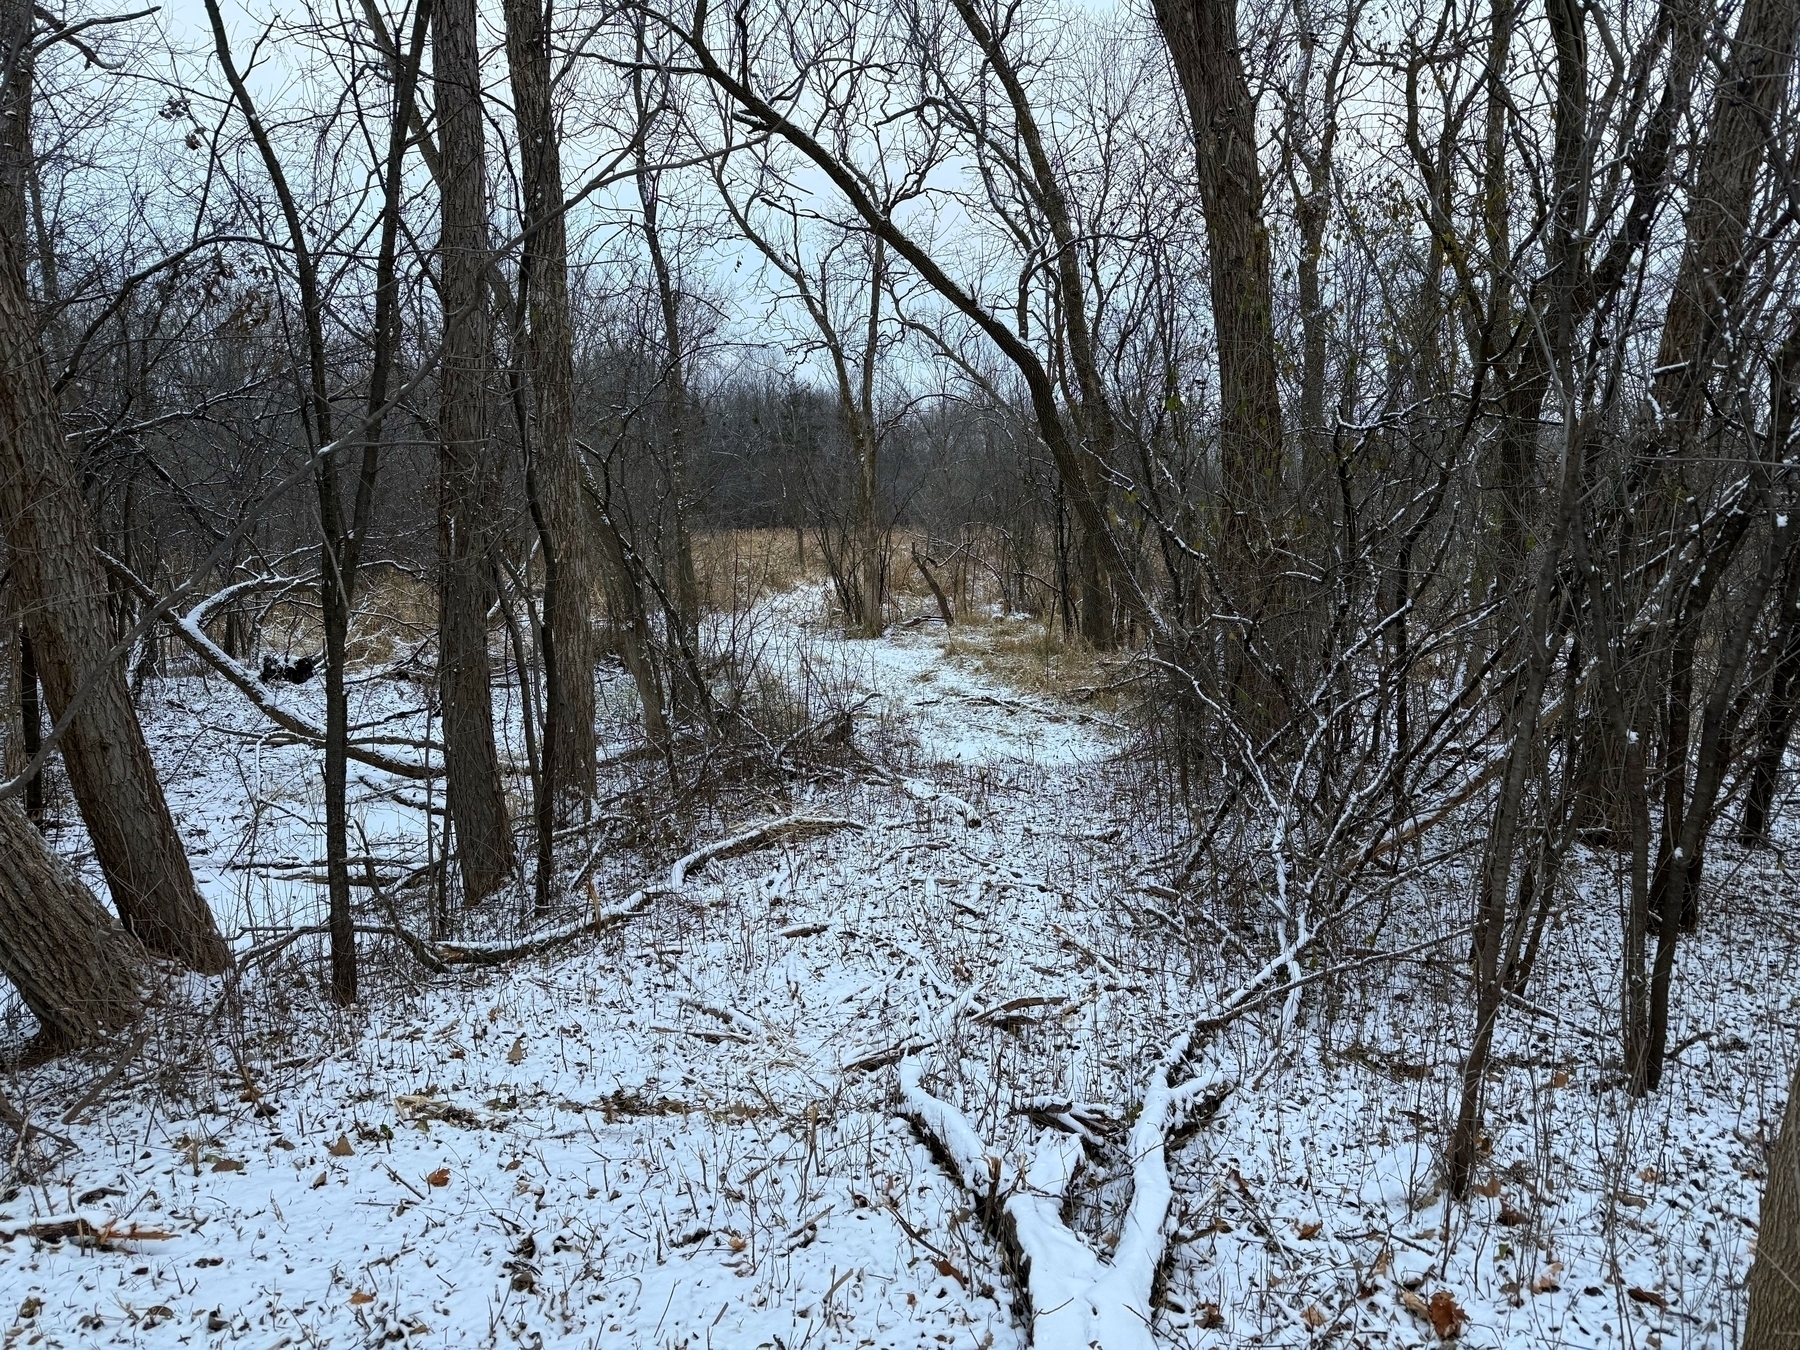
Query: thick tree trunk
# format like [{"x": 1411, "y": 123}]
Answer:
[
  {"x": 1746, "y": 95},
  {"x": 31, "y": 724},
  {"x": 1774, "y": 1284},
  {"x": 63, "y": 593},
  {"x": 75, "y": 967},
  {"x": 477, "y": 801},
  {"x": 569, "y": 752},
  {"x": 1202, "y": 37}
]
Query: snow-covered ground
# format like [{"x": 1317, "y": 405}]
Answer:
[{"x": 683, "y": 1132}]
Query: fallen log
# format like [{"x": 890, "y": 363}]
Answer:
[
  {"x": 770, "y": 832},
  {"x": 1076, "y": 1300}
]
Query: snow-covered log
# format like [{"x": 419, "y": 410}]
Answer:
[
  {"x": 1077, "y": 1301},
  {"x": 770, "y": 832}
]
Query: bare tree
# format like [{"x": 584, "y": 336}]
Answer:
[
  {"x": 61, "y": 589},
  {"x": 466, "y": 476}
]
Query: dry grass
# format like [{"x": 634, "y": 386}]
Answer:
[
  {"x": 736, "y": 566},
  {"x": 1038, "y": 657}
]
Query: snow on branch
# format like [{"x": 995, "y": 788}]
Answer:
[
  {"x": 770, "y": 832},
  {"x": 1077, "y": 1301},
  {"x": 190, "y": 628}
]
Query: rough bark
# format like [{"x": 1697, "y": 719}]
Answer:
[
  {"x": 1774, "y": 1283},
  {"x": 75, "y": 967},
  {"x": 62, "y": 590},
  {"x": 477, "y": 801},
  {"x": 1746, "y": 96},
  {"x": 17, "y": 67},
  {"x": 1202, "y": 37},
  {"x": 569, "y": 750},
  {"x": 31, "y": 725}
]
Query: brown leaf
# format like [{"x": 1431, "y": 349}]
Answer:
[
  {"x": 946, "y": 1268},
  {"x": 1511, "y": 1217},
  {"x": 441, "y": 1177},
  {"x": 1413, "y": 1303},
  {"x": 1648, "y": 1174},
  {"x": 1650, "y": 1296},
  {"x": 1560, "y": 1078},
  {"x": 1549, "y": 1281},
  {"x": 516, "y": 1055},
  {"x": 1313, "y": 1317},
  {"x": 342, "y": 1148},
  {"x": 228, "y": 1165},
  {"x": 1309, "y": 1230},
  {"x": 359, "y": 1298},
  {"x": 1490, "y": 1188},
  {"x": 1209, "y": 1316},
  {"x": 1445, "y": 1317},
  {"x": 318, "y": 1181}
]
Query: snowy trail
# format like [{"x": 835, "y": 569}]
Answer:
[
  {"x": 682, "y": 1133},
  {"x": 654, "y": 1141}
]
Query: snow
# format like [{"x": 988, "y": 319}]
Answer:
[{"x": 682, "y": 1127}]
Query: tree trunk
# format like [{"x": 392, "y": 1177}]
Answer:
[
  {"x": 62, "y": 591},
  {"x": 1774, "y": 1284},
  {"x": 683, "y": 586},
  {"x": 569, "y": 753},
  {"x": 76, "y": 969},
  {"x": 31, "y": 719},
  {"x": 477, "y": 801},
  {"x": 1746, "y": 95},
  {"x": 1202, "y": 37}
]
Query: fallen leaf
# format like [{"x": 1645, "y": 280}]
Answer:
[
  {"x": 1309, "y": 1230},
  {"x": 738, "y": 1244},
  {"x": 517, "y": 1053},
  {"x": 359, "y": 1298},
  {"x": 341, "y": 1149},
  {"x": 1549, "y": 1281},
  {"x": 1635, "y": 1201},
  {"x": 1490, "y": 1188},
  {"x": 1209, "y": 1316},
  {"x": 30, "y": 1308},
  {"x": 1511, "y": 1217},
  {"x": 1413, "y": 1303},
  {"x": 228, "y": 1165},
  {"x": 318, "y": 1181},
  {"x": 946, "y": 1268},
  {"x": 1313, "y": 1317},
  {"x": 1445, "y": 1317},
  {"x": 251, "y": 1094},
  {"x": 1648, "y": 1174},
  {"x": 441, "y": 1177},
  {"x": 1650, "y": 1296},
  {"x": 1560, "y": 1078}
]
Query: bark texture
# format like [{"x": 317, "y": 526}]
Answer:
[
  {"x": 1203, "y": 43},
  {"x": 476, "y": 799},
  {"x": 1774, "y": 1321},
  {"x": 75, "y": 967},
  {"x": 63, "y": 592},
  {"x": 1746, "y": 96},
  {"x": 569, "y": 751}
]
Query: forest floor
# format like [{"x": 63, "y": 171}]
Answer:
[{"x": 682, "y": 1132}]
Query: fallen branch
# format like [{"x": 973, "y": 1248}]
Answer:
[
  {"x": 770, "y": 832},
  {"x": 188, "y": 627},
  {"x": 921, "y": 791},
  {"x": 498, "y": 953},
  {"x": 1077, "y": 1301}
]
